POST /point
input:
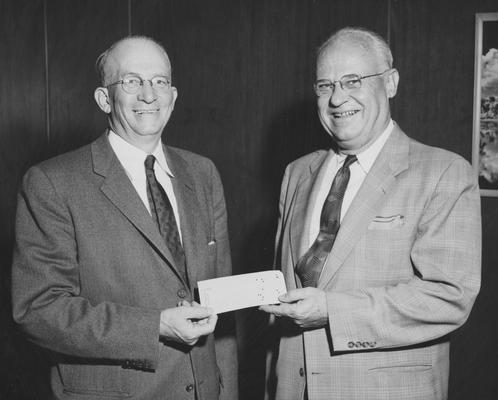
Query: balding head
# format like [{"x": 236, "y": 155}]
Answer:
[
  {"x": 369, "y": 41},
  {"x": 105, "y": 63}
]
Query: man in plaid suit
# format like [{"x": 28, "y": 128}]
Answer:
[{"x": 404, "y": 269}]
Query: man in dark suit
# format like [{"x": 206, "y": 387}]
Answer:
[{"x": 111, "y": 240}]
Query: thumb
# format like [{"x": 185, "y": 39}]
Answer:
[
  {"x": 198, "y": 312},
  {"x": 293, "y": 296}
]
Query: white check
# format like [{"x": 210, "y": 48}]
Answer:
[{"x": 241, "y": 291}]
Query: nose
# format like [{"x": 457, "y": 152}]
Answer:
[
  {"x": 338, "y": 96},
  {"x": 147, "y": 92}
]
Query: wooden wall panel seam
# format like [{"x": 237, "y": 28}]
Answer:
[
  {"x": 129, "y": 17},
  {"x": 47, "y": 86},
  {"x": 389, "y": 10}
]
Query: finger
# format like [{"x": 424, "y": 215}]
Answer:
[
  {"x": 207, "y": 320},
  {"x": 281, "y": 310},
  {"x": 206, "y": 327},
  {"x": 195, "y": 312},
  {"x": 179, "y": 324},
  {"x": 269, "y": 308},
  {"x": 212, "y": 319},
  {"x": 295, "y": 295}
]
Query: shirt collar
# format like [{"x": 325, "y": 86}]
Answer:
[
  {"x": 161, "y": 159},
  {"x": 131, "y": 155},
  {"x": 367, "y": 157}
]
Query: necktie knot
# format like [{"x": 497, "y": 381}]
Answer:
[
  {"x": 350, "y": 159},
  {"x": 149, "y": 162}
]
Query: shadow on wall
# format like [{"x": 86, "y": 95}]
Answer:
[{"x": 292, "y": 133}]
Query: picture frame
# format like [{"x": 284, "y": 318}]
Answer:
[{"x": 485, "y": 127}]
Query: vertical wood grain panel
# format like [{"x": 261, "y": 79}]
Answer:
[
  {"x": 23, "y": 139},
  {"x": 433, "y": 46},
  {"x": 434, "y": 52},
  {"x": 22, "y": 94},
  {"x": 244, "y": 72},
  {"x": 78, "y": 31}
]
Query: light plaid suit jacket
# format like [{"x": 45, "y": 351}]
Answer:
[{"x": 404, "y": 272}]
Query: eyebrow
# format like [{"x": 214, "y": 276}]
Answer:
[
  {"x": 162, "y": 74},
  {"x": 352, "y": 74}
]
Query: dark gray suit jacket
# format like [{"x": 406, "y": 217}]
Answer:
[{"x": 91, "y": 275}]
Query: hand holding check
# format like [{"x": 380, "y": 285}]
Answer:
[
  {"x": 307, "y": 307},
  {"x": 187, "y": 323}
]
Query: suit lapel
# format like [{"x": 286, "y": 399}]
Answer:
[
  {"x": 392, "y": 160},
  {"x": 193, "y": 231},
  {"x": 120, "y": 191},
  {"x": 306, "y": 194}
]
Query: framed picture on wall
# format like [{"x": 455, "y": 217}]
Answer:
[{"x": 485, "y": 131}]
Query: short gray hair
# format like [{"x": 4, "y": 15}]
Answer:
[
  {"x": 101, "y": 62},
  {"x": 369, "y": 40}
]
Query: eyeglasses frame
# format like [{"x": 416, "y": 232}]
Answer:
[
  {"x": 142, "y": 80},
  {"x": 340, "y": 82}
]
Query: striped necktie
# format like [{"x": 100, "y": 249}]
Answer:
[
  {"x": 164, "y": 217},
  {"x": 310, "y": 265}
]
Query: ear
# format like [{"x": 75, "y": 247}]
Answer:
[
  {"x": 101, "y": 96},
  {"x": 175, "y": 94},
  {"x": 392, "y": 83}
]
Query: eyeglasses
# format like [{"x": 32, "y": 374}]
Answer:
[
  {"x": 132, "y": 84},
  {"x": 325, "y": 87}
]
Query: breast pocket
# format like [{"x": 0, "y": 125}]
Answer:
[{"x": 387, "y": 222}]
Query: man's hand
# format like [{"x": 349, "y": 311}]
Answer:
[
  {"x": 187, "y": 323},
  {"x": 307, "y": 307}
]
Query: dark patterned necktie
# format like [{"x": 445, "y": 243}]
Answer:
[
  {"x": 309, "y": 266},
  {"x": 164, "y": 217}
]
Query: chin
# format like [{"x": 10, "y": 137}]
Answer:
[
  {"x": 150, "y": 133},
  {"x": 149, "y": 130},
  {"x": 341, "y": 134}
]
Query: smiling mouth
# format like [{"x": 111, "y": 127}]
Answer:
[
  {"x": 145, "y": 112},
  {"x": 344, "y": 114}
]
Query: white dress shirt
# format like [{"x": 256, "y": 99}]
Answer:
[
  {"x": 132, "y": 159},
  {"x": 359, "y": 171}
]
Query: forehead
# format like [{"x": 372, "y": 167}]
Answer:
[
  {"x": 344, "y": 58},
  {"x": 139, "y": 57}
]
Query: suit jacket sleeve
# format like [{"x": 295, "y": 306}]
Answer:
[
  {"x": 46, "y": 287},
  {"x": 225, "y": 334},
  {"x": 445, "y": 256}
]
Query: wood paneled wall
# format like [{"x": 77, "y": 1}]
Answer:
[{"x": 244, "y": 71}]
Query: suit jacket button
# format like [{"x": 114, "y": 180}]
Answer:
[
  {"x": 182, "y": 293},
  {"x": 189, "y": 387},
  {"x": 301, "y": 371}
]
